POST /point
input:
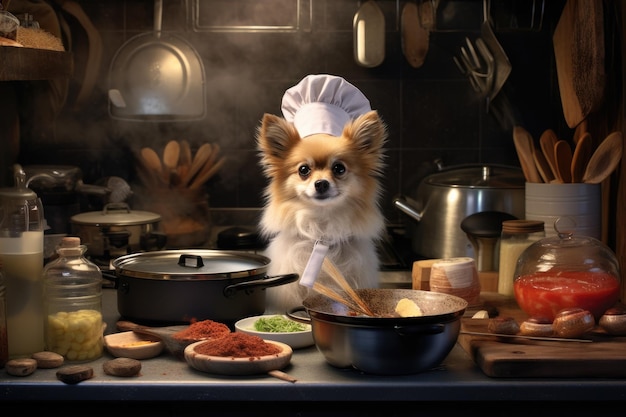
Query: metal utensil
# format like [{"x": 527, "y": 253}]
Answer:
[
  {"x": 502, "y": 64},
  {"x": 369, "y": 35}
]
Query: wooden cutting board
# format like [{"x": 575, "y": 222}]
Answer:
[{"x": 604, "y": 357}]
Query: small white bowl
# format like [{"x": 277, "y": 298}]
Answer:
[
  {"x": 296, "y": 340},
  {"x": 133, "y": 345}
]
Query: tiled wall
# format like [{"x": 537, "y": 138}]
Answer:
[{"x": 432, "y": 112}]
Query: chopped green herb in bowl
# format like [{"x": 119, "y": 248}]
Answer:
[
  {"x": 279, "y": 328},
  {"x": 278, "y": 324}
]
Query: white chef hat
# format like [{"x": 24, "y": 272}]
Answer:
[{"x": 323, "y": 104}]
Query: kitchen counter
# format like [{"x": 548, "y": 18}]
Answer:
[{"x": 169, "y": 380}]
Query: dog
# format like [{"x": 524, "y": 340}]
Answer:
[{"x": 324, "y": 188}]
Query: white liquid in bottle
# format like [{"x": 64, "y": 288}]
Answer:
[{"x": 22, "y": 265}]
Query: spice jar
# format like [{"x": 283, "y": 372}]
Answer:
[
  {"x": 73, "y": 303},
  {"x": 566, "y": 271},
  {"x": 516, "y": 236}
]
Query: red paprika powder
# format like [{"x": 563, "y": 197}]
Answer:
[
  {"x": 205, "y": 329},
  {"x": 237, "y": 345}
]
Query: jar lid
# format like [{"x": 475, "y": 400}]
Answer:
[{"x": 522, "y": 226}]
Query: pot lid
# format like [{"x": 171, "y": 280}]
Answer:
[
  {"x": 479, "y": 176},
  {"x": 196, "y": 264},
  {"x": 115, "y": 214}
]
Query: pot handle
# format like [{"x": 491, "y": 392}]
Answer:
[
  {"x": 408, "y": 206},
  {"x": 110, "y": 277},
  {"x": 420, "y": 330},
  {"x": 250, "y": 286}
]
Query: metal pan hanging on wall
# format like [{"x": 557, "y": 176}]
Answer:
[{"x": 157, "y": 77}]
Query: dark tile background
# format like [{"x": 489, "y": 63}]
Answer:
[{"x": 432, "y": 112}]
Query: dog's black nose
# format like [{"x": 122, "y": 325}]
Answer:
[{"x": 321, "y": 186}]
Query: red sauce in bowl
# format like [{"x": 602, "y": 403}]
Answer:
[{"x": 546, "y": 293}]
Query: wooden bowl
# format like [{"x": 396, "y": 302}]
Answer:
[
  {"x": 133, "y": 345},
  {"x": 229, "y": 365}
]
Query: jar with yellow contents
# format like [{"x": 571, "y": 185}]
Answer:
[{"x": 73, "y": 304}]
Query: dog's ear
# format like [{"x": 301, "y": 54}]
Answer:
[
  {"x": 367, "y": 132},
  {"x": 275, "y": 137}
]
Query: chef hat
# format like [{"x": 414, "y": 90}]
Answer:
[{"x": 323, "y": 104}]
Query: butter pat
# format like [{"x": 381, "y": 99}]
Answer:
[{"x": 408, "y": 308}]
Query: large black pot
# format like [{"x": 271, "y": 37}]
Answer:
[
  {"x": 385, "y": 345},
  {"x": 178, "y": 286}
]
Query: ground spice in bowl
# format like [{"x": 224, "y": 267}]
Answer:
[
  {"x": 205, "y": 329},
  {"x": 237, "y": 345}
]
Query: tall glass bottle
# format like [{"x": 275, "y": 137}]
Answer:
[
  {"x": 73, "y": 303},
  {"x": 21, "y": 256}
]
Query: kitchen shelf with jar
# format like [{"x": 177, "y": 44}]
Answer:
[{"x": 29, "y": 64}]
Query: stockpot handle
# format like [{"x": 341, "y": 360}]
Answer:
[{"x": 250, "y": 286}]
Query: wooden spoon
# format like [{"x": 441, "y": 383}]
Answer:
[
  {"x": 542, "y": 166},
  {"x": 524, "y": 146},
  {"x": 563, "y": 159},
  {"x": 165, "y": 334},
  {"x": 582, "y": 153},
  {"x": 152, "y": 161},
  {"x": 171, "y": 154},
  {"x": 184, "y": 162},
  {"x": 546, "y": 142},
  {"x": 199, "y": 160},
  {"x": 605, "y": 159}
]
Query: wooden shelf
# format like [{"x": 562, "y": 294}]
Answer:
[{"x": 27, "y": 64}]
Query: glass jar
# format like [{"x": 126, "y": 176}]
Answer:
[
  {"x": 566, "y": 272},
  {"x": 516, "y": 236},
  {"x": 73, "y": 303}
]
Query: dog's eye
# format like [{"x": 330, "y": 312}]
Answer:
[
  {"x": 304, "y": 171},
  {"x": 339, "y": 169}
]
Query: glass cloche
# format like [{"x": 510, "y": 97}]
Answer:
[{"x": 566, "y": 271}]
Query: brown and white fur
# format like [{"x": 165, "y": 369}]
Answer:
[{"x": 326, "y": 188}]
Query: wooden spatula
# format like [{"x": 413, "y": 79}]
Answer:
[
  {"x": 524, "y": 146},
  {"x": 582, "y": 153},
  {"x": 546, "y": 142},
  {"x": 563, "y": 158}
]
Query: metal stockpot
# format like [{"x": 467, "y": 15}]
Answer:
[
  {"x": 177, "y": 286},
  {"x": 443, "y": 199},
  {"x": 117, "y": 230},
  {"x": 386, "y": 345}
]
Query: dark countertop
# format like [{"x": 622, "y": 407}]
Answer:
[{"x": 169, "y": 380}]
